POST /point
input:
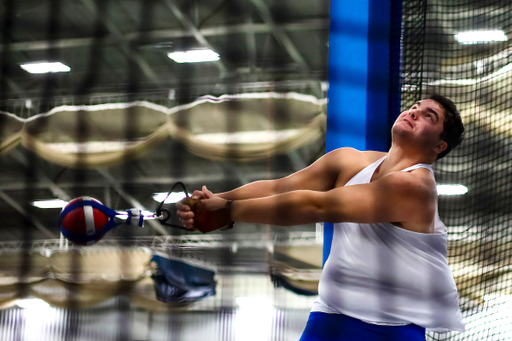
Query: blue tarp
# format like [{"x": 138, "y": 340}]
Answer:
[{"x": 177, "y": 281}]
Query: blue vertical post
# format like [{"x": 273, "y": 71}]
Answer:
[{"x": 359, "y": 111}]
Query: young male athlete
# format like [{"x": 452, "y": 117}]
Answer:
[{"x": 387, "y": 277}]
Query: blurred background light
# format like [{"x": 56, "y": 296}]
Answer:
[
  {"x": 174, "y": 197},
  {"x": 194, "y": 56},
  {"x": 32, "y": 303},
  {"x": 480, "y": 37},
  {"x": 50, "y": 203},
  {"x": 45, "y": 67},
  {"x": 451, "y": 189}
]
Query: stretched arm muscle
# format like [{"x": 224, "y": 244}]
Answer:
[{"x": 394, "y": 198}]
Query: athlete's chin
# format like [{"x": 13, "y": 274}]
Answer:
[
  {"x": 404, "y": 138},
  {"x": 401, "y": 131}
]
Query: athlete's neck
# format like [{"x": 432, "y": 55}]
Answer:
[{"x": 400, "y": 158}]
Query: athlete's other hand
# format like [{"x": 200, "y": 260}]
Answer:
[{"x": 211, "y": 201}]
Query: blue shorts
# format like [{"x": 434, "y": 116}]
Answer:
[{"x": 337, "y": 327}]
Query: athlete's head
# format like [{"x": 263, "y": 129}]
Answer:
[
  {"x": 453, "y": 128},
  {"x": 432, "y": 126}
]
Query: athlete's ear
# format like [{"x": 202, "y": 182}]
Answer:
[{"x": 441, "y": 146}]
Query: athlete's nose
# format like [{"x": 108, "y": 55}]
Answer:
[{"x": 411, "y": 113}]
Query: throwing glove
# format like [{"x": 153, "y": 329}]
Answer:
[{"x": 206, "y": 221}]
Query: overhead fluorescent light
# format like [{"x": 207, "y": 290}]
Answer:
[
  {"x": 32, "y": 303},
  {"x": 451, "y": 189},
  {"x": 174, "y": 197},
  {"x": 51, "y": 203},
  {"x": 45, "y": 67},
  {"x": 480, "y": 37},
  {"x": 194, "y": 56}
]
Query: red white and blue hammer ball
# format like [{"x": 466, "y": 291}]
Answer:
[{"x": 82, "y": 223}]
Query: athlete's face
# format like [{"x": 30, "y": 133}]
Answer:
[{"x": 422, "y": 124}]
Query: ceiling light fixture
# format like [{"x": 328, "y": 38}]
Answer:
[
  {"x": 32, "y": 303},
  {"x": 45, "y": 67},
  {"x": 451, "y": 189},
  {"x": 51, "y": 203},
  {"x": 480, "y": 37},
  {"x": 174, "y": 197},
  {"x": 194, "y": 56}
]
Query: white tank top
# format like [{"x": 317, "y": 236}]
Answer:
[{"x": 384, "y": 274}]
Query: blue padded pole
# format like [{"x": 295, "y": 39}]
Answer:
[{"x": 359, "y": 110}]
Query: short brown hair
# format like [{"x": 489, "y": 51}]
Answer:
[{"x": 453, "y": 128}]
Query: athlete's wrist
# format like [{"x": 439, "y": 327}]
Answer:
[{"x": 228, "y": 207}]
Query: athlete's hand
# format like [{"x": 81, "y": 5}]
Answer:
[
  {"x": 204, "y": 212},
  {"x": 211, "y": 201},
  {"x": 185, "y": 213},
  {"x": 198, "y": 194}
]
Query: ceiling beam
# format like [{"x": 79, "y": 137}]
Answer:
[
  {"x": 148, "y": 180},
  {"x": 280, "y": 35},
  {"x": 130, "y": 53},
  {"x": 17, "y": 89},
  {"x": 251, "y": 45},
  {"x": 114, "y": 39},
  {"x": 190, "y": 27},
  {"x": 33, "y": 220},
  {"x": 56, "y": 190}
]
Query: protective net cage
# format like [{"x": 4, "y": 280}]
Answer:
[
  {"x": 117, "y": 63},
  {"x": 477, "y": 77}
]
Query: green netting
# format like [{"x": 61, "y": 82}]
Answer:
[{"x": 477, "y": 78}]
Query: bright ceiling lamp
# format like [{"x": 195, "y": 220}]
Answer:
[
  {"x": 480, "y": 37},
  {"x": 451, "y": 189},
  {"x": 32, "y": 303},
  {"x": 194, "y": 56},
  {"x": 51, "y": 203},
  {"x": 174, "y": 197},
  {"x": 45, "y": 67}
]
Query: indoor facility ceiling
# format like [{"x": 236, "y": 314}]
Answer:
[{"x": 117, "y": 51}]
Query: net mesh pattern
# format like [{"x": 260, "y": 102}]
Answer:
[{"x": 476, "y": 77}]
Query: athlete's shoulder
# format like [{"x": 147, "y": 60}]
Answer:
[
  {"x": 426, "y": 179},
  {"x": 418, "y": 183},
  {"x": 352, "y": 153},
  {"x": 350, "y": 161},
  {"x": 372, "y": 156}
]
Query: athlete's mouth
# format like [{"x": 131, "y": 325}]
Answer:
[{"x": 408, "y": 122}]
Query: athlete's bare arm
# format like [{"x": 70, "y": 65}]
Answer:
[
  {"x": 407, "y": 198},
  {"x": 322, "y": 175},
  {"x": 332, "y": 170}
]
